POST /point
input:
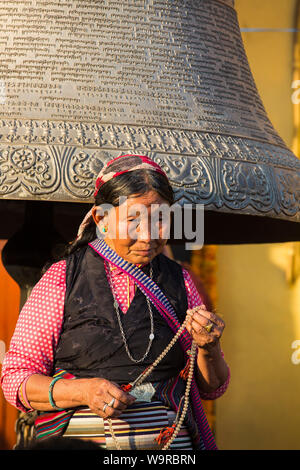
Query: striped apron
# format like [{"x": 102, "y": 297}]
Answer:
[{"x": 135, "y": 429}]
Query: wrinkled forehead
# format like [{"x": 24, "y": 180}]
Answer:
[
  {"x": 138, "y": 205},
  {"x": 150, "y": 199}
]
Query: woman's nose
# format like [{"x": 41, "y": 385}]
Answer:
[{"x": 144, "y": 232}]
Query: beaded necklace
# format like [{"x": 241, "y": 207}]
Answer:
[
  {"x": 168, "y": 434},
  {"x": 156, "y": 296}
]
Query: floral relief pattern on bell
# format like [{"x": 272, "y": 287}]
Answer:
[{"x": 165, "y": 78}]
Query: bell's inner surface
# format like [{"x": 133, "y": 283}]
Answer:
[{"x": 83, "y": 82}]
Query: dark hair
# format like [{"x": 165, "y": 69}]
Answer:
[{"x": 136, "y": 182}]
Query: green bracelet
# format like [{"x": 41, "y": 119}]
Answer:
[{"x": 50, "y": 394}]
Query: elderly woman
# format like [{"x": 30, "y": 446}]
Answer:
[{"x": 114, "y": 343}]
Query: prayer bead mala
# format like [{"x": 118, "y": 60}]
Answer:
[{"x": 168, "y": 434}]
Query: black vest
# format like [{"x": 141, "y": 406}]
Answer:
[{"x": 91, "y": 345}]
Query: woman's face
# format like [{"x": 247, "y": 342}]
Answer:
[{"x": 129, "y": 227}]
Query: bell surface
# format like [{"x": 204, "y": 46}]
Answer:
[{"x": 85, "y": 81}]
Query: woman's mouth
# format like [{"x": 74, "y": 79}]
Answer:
[{"x": 144, "y": 252}]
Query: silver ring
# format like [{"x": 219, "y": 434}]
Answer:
[
  {"x": 111, "y": 403},
  {"x": 104, "y": 407}
]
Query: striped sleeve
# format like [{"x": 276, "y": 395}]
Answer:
[
  {"x": 194, "y": 299},
  {"x": 31, "y": 350}
]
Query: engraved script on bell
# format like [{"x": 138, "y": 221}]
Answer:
[{"x": 84, "y": 81}]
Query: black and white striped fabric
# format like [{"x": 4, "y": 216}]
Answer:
[{"x": 135, "y": 429}]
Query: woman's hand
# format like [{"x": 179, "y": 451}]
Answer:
[
  {"x": 97, "y": 392},
  {"x": 199, "y": 318},
  {"x": 211, "y": 370}
]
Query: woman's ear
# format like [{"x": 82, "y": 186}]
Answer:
[
  {"x": 100, "y": 219},
  {"x": 96, "y": 214}
]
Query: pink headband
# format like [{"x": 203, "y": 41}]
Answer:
[{"x": 115, "y": 167}]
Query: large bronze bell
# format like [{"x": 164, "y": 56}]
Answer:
[{"x": 85, "y": 81}]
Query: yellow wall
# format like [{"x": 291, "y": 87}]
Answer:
[{"x": 260, "y": 409}]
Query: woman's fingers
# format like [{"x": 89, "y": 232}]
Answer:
[
  {"x": 101, "y": 392},
  {"x": 209, "y": 317},
  {"x": 197, "y": 321},
  {"x": 215, "y": 331},
  {"x": 118, "y": 393},
  {"x": 118, "y": 405},
  {"x": 110, "y": 412},
  {"x": 204, "y": 317}
]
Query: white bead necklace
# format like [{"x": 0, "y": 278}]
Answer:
[
  {"x": 178, "y": 419},
  {"x": 192, "y": 353}
]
